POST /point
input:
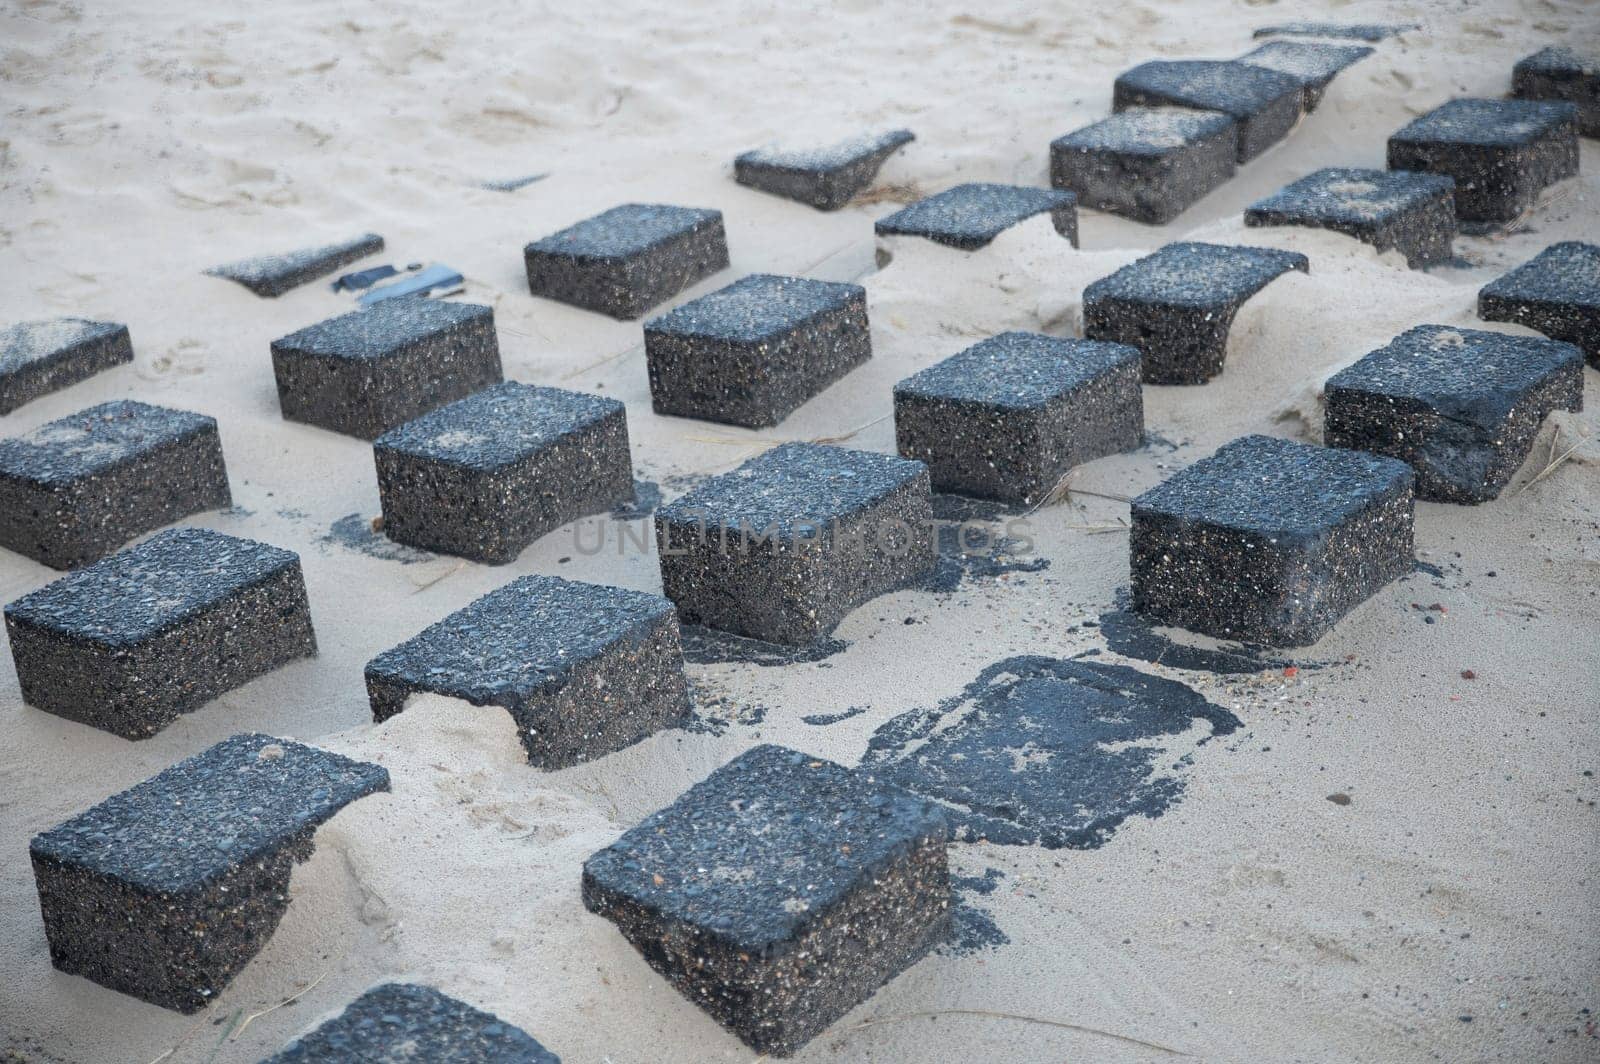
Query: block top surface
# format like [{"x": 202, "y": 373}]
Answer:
[
  {"x": 1311, "y": 63},
  {"x": 1488, "y": 123},
  {"x": 1352, "y": 196},
  {"x": 1567, "y": 273},
  {"x": 1225, "y": 85},
  {"x": 1558, "y": 60},
  {"x": 497, "y": 426},
  {"x": 34, "y": 341},
  {"x": 756, "y": 308},
  {"x": 382, "y": 329},
  {"x": 1353, "y": 31},
  {"x": 761, "y": 848},
  {"x": 1276, "y": 487},
  {"x": 1196, "y": 275},
  {"x": 829, "y": 157},
  {"x": 1018, "y": 370},
  {"x": 625, "y": 231},
  {"x": 94, "y": 440},
  {"x": 137, "y": 592},
  {"x": 974, "y": 212},
  {"x": 1147, "y": 130},
  {"x": 238, "y": 801}
]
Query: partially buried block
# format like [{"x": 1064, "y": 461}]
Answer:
[
  {"x": 825, "y": 178},
  {"x": 168, "y": 889},
  {"x": 1313, "y": 65},
  {"x": 40, "y": 357},
  {"x": 779, "y": 893},
  {"x": 269, "y": 276},
  {"x": 1557, "y": 292},
  {"x": 1265, "y": 103},
  {"x": 1411, "y": 213},
  {"x": 971, "y": 216},
  {"x": 1148, "y": 164},
  {"x": 1561, "y": 74}
]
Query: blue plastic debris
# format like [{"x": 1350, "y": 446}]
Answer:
[
  {"x": 422, "y": 284},
  {"x": 360, "y": 279}
]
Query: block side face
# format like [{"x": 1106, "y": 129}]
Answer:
[
  {"x": 1104, "y": 417},
  {"x": 627, "y": 286},
  {"x": 976, "y": 449},
  {"x": 41, "y": 357},
  {"x": 1179, "y": 344}
]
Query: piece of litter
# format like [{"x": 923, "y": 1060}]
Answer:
[
  {"x": 425, "y": 283},
  {"x": 350, "y": 282},
  {"x": 511, "y": 184}
]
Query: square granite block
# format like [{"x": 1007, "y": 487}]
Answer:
[
  {"x": 365, "y": 372},
  {"x": 753, "y": 352},
  {"x": 780, "y": 892},
  {"x": 1270, "y": 541},
  {"x": 1264, "y": 103},
  {"x": 168, "y": 889},
  {"x": 628, "y": 259},
  {"x": 1148, "y": 164},
  {"x": 1557, "y": 292},
  {"x": 161, "y": 629},
  {"x": 1413, "y": 214},
  {"x": 487, "y": 475},
  {"x": 1006, "y": 418},
  {"x": 1460, "y": 406},
  {"x": 583, "y": 669},
  {"x": 1313, "y": 65},
  {"x": 785, "y": 546},
  {"x": 1501, "y": 153},
  {"x": 970, "y": 216},
  {"x": 825, "y": 178},
  {"x": 1372, "y": 32},
  {"x": 40, "y": 357},
  {"x": 78, "y": 488},
  {"x": 1177, "y": 305},
  {"x": 1561, "y": 74},
  {"x": 272, "y": 275}
]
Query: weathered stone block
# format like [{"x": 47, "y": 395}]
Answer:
[
  {"x": 825, "y": 178},
  {"x": 970, "y": 216},
  {"x": 1148, "y": 164},
  {"x": 628, "y": 259},
  {"x": 1557, "y": 292},
  {"x": 40, "y": 357},
  {"x": 1413, "y": 214},
  {"x": 1264, "y": 103}
]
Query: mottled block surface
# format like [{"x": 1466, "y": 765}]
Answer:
[
  {"x": 1270, "y": 541},
  {"x": 1411, "y": 213},
  {"x": 1313, "y": 65},
  {"x": 1177, "y": 305},
  {"x": 826, "y": 177},
  {"x": 76, "y": 489},
  {"x": 583, "y": 669},
  {"x": 40, "y": 357},
  {"x": 1350, "y": 31},
  {"x": 365, "y": 372},
  {"x": 785, "y": 546},
  {"x": 399, "y": 1022},
  {"x": 168, "y": 889},
  {"x": 970, "y": 216},
  {"x": 779, "y": 893},
  {"x": 1557, "y": 73},
  {"x": 1264, "y": 103},
  {"x": 1148, "y": 164},
  {"x": 753, "y": 352},
  {"x": 1557, "y": 292},
  {"x": 1008, "y": 417},
  {"x": 158, "y": 630},
  {"x": 1501, "y": 153},
  {"x": 487, "y": 475},
  {"x": 628, "y": 259},
  {"x": 272, "y": 275},
  {"x": 1460, "y": 406}
]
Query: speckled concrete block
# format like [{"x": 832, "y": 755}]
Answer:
[
  {"x": 785, "y": 546},
  {"x": 1264, "y": 103},
  {"x": 76, "y": 489},
  {"x": 1562, "y": 74},
  {"x": 1270, "y": 541},
  {"x": 970, "y": 216},
  {"x": 825, "y": 178},
  {"x": 628, "y": 259},
  {"x": 132, "y": 642},
  {"x": 753, "y": 352},
  {"x": 1148, "y": 164},
  {"x": 1177, "y": 305},
  {"x": 1008, "y": 417},
  {"x": 1314, "y": 66},
  {"x": 399, "y": 1022},
  {"x": 1413, "y": 214},
  {"x": 365, "y": 372},
  {"x": 584, "y": 670},
  {"x": 1557, "y": 293},
  {"x": 1460, "y": 406},
  {"x": 40, "y": 357},
  {"x": 1371, "y": 32},
  {"x": 779, "y": 893},
  {"x": 272, "y": 275},
  {"x": 487, "y": 475},
  {"x": 168, "y": 889},
  {"x": 1501, "y": 153}
]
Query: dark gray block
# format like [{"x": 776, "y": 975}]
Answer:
[
  {"x": 753, "y": 352},
  {"x": 1557, "y": 293},
  {"x": 1008, "y": 417},
  {"x": 1413, "y": 214},
  {"x": 583, "y": 669},
  {"x": 1313, "y": 65},
  {"x": 168, "y": 889},
  {"x": 1270, "y": 541},
  {"x": 399, "y": 1022},
  {"x": 365, "y": 372},
  {"x": 1350, "y": 31},
  {"x": 628, "y": 259},
  {"x": 487, "y": 475},
  {"x": 1264, "y": 103},
  {"x": 1178, "y": 304},
  {"x": 1460, "y": 406},
  {"x": 272, "y": 275},
  {"x": 132, "y": 642},
  {"x": 779, "y": 893},
  {"x": 40, "y": 357},
  {"x": 785, "y": 546},
  {"x": 825, "y": 178},
  {"x": 1501, "y": 153},
  {"x": 970, "y": 216},
  {"x": 1561, "y": 74},
  {"x": 1148, "y": 164},
  {"x": 78, "y": 488}
]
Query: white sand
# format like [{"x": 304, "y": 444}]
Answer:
[{"x": 1255, "y": 921}]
